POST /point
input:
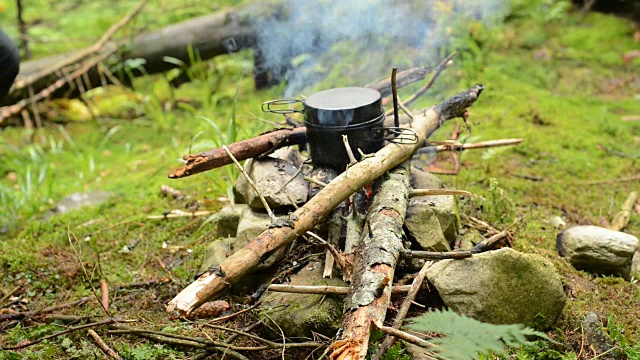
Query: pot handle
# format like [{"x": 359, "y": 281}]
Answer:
[{"x": 272, "y": 106}]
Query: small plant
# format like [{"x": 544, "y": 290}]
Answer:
[{"x": 465, "y": 337}]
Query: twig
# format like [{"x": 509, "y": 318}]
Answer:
[
  {"x": 273, "y": 345},
  {"x": 102, "y": 345},
  {"x": 317, "y": 182},
  {"x": 347, "y": 147},
  {"x": 22, "y": 26},
  {"x": 66, "y": 331},
  {"x": 104, "y": 289},
  {"x": 180, "y": 213},
  {"x": 486, "y": 244},
  {"x": 439, "y": 69},
  {"x": 458, "y": 146},
  {"x": 437, "y": 255},
  {"x": 394, "y": 92},
  {"x": 272, "y": 216},
  {"x": 406, "y": 337},
  {"x": 336, "y": 254},
  {"x": 11, "y": 110},
  {"x": 610, "y": 181},
  {"x": 621, "y": 219},
  {"x": 231, "y": 316},
  {"x": 9, "y": 294},
  {"x": 83, "y": 53},
  {"x": 404, "y": 308},
  {"x": 435, "y": 192},
  {"x": 326, "y": 290}
]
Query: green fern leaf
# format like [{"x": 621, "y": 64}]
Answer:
[{"x": 466, "y": 337}]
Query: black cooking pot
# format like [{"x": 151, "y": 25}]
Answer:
[{"x": 352, "y": 111}]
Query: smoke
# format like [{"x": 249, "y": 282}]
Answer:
[{"x": 323, "y": 43}]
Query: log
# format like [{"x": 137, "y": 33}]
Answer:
[
  {"x": 209, "y": 35},
  {"x": 245, "y": 260},
  {"x": 241, "y": 150},
  {"x": 377, "y": 255},
  {"x": 266, "y": 143}
]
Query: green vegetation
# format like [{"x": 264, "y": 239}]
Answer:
[{"x": 552, "y": 77}]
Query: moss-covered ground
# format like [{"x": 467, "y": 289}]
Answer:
[{"x": 553, "y": 77}]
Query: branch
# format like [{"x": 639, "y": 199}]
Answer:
[{"x": 320, "y": 206}]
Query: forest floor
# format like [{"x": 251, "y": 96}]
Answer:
[{"x": 555, "y": 78}]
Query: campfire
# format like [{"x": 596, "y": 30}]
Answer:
[{"x": 350, "y": 196}]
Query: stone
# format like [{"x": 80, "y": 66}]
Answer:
[
  {"x": 423, "y": 225},
  {"x": 598, "y": 250},
  {"x": 597, "y": 339},
  {"x": 251, "y": 224},
  {"x": 501, "y": 287},
  {"x": 217, "y": 252},
  {"x": 421, "y": 179},
  {"x": 635, "y": 265},
  {"x": 270, "y": 174},
  {"x": 225, "y": 221},
  {"x": 79, "y": 200},
  {"x": 304, "y": 314},
  {"x": 426, "y": 214}
]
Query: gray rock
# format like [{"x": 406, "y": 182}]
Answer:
[
  {"x": 270, "y": 174},
  {"x": 78, "y": 200},
  {"x": 501, "y": 287},
  {"x": 421, "y": 179},
  {"x": 598, "y": 250},
  {"x": 598, "y": 339},
  {"x": 422, "y": 224},
  {"x": 225, "y": 221},
  {"x": 253, "y": 223},
  {"x": 217, "y": 252},
  {"x": 635, "y": 265},
  {"x": 304, "y": 314},
  {"x": 426, "y": 214}
]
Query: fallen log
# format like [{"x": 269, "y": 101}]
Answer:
[
  {"x": 377, "y": 255},
  {"x": 209, "y": 35},
  {"x": 268, "y": 142},
  {"x": 245, "y": 260}
]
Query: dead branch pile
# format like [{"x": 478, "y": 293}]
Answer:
[{"x": 380, "y": 245}]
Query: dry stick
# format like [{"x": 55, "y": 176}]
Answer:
[
  {"x": 102, "y": 345},
  {"x": 326, "y": 290},
  {"x": 457, "y": 146},
  {"x": 104, "y": 289},
  {"x": 66, "y": 331},
  {"x": 378, "y": 252},
  {"x": 434, "y": 192},
  {"x": 95, "y": 48},
  {"x": 320, "y": 206},
  {"x": 404, "y": 308},
  {"x": 482, "y": 246},
  {"x": 181, "y": 213},
  {"x": 406, "y": 337},
  {"x": 272, "y": 216},
  {"x": 315, "y": 181},
  {"x": 11, "y": 110},
  {"x": 438, "y": 70},
  {"x": 268, "y": 142},
  {"x": 394, "y": 90},
  {"x": 331, "y": 249},
  {"x": 22, "y": 27},
  {"x": 216, "y": 343},
  {"x": 621, "y": 219}
]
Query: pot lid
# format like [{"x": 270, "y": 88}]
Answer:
[{"x": 343, "y": 106}]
